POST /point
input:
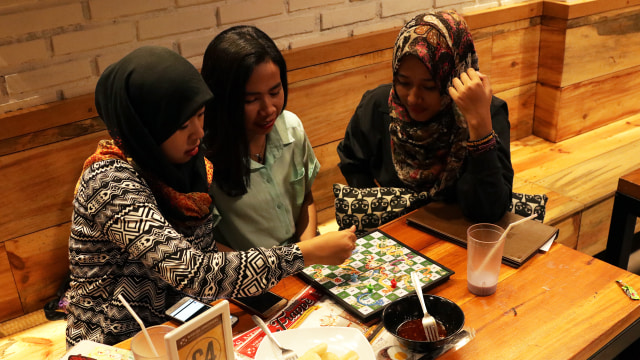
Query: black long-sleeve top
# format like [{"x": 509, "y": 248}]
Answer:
[{"x": 484, "y": 187}]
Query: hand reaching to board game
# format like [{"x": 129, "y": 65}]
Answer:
[{"x": 332, "y": 248}]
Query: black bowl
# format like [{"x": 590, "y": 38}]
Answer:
[{"x": 408, "y": 308}]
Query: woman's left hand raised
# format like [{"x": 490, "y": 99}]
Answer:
[{"x": 472, "y": 93}]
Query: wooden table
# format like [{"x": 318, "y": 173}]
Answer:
[
  {"x": 626, "y": 208},
  {"x": 560, "y": 305}
]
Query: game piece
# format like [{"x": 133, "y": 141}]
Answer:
[{"x": 378, "y": 259}]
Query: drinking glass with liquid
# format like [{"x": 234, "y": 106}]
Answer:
[{"x": 484, "y": 256}]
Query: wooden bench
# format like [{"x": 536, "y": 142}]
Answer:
[{"x": 563, "y": 143}]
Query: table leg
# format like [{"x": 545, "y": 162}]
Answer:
[{"x": 623, "y": 219}]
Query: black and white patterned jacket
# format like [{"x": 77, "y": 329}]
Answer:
[{"x": 120, "y": 243}]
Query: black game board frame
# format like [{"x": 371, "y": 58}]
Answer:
[{"x": 366, "y": 316}]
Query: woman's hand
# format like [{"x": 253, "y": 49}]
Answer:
[
  {"x": 472, "y": 93},
  {"x": 332, "y": 248}
]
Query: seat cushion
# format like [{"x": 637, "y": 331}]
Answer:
[{"x": 369, "y": 208}]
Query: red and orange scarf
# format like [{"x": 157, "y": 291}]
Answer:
[{"x": 186, "y": 208}]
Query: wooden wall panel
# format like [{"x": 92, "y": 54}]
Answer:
[
  {"x": 325, "y": 105},
  {"x": 594, "y": 227},
  {"x": 608, "y": 45},
  {"x": 552, "y": 47},
  {"x": 39, "y": 262},
  {"x": 46, "y": 116},
  {"x": 545, "y": 120},
  {"x": 569, "y": 229},
  {"x": 515, "y": 58},
  {"x": 483, "y": 49},
  {"x": 586, "y": 62},
  {"x": 504, "y": 14},
  {"x": 312, "y": 55},
  {"x": 38, "y": 185},
  {"x": 521, "y": 102},
  {"x": 52, "y": 135},
  {"x": 562, "y": 113},
  {"x": 315, "y": 71},
  {"x": 329, "y": 174},
  {"x": 10, "y": 306},
  {"x": 576, "y": 9}
]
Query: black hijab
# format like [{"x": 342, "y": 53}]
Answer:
[{"x": 143, "y": 99}]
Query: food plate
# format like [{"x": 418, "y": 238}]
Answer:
[{"x": 339, "y": 340}]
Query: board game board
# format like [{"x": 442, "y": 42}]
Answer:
[{"x": 377, "y": 273}]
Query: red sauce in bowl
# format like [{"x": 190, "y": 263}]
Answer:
[{"x": 413, "y": 330}]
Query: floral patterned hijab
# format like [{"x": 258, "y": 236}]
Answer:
[{"x": 428, "y": 155}]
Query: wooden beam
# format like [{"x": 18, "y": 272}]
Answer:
[
  {"x": 339, "y": 49},
  {"x": 46, "y": 116},
  {"x": 576, "y": 9},
  {"x": 503, "y": 14}
]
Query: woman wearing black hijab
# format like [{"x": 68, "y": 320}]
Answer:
[{"x": 143, "y": 217}]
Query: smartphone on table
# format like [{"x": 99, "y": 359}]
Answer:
[
  {"x": 188, "y": 308},
  {"x": 264, "y": 305}
]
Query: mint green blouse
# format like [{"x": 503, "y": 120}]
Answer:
[{"x": 266, "y": 215}]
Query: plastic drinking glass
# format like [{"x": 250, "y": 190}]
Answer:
[
  {"x": 140, "y": 346},
  {"x": 484, "y": 255}
]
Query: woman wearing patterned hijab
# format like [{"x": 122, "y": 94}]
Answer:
[
  {"x": 437, "y": 129},
  {"x": 142, "y": 225}
]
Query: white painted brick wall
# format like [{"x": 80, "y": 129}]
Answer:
[
  {"x": 47, "y": 77},
  {"x": 54, "y": 49},
  {"x": 508, "y": 2},
  {"x": 14, "y": 104},
  {"x": 289, "y": 26},
  {"x": 480, "y": 5},
  {"x": 8, "y": 5},
  {"x": 196, "y": 61},
  {"x": 321, "y": 37},
  {"x": 193, "y": 2},
  {"x": 238, "y": 11},
  {"x": 96, "y": 38},
  {"x": 113, "y": 9},
  {"x": 104, "y": 60},
  {"x": 349, "y": 15},
  {"x": 78, "y": 88},
  {"x": 39, "y": 20},
  {"x": 394, "y": 7},
  {"x": 182, "y": 21},
  {"x": 452, "y": 4},
  {"x": 195, "y": 45},
  {"x": 295, "y": 5},
  {"x": 14, "y": 54},
  {"x": 388, "y": 23}
]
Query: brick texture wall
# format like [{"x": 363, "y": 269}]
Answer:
[{"x": 56, "y": 49}]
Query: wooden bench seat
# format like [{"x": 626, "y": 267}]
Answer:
[
  {"x": 580, "y": 176},
  {"x": 42, "y": 148}
]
